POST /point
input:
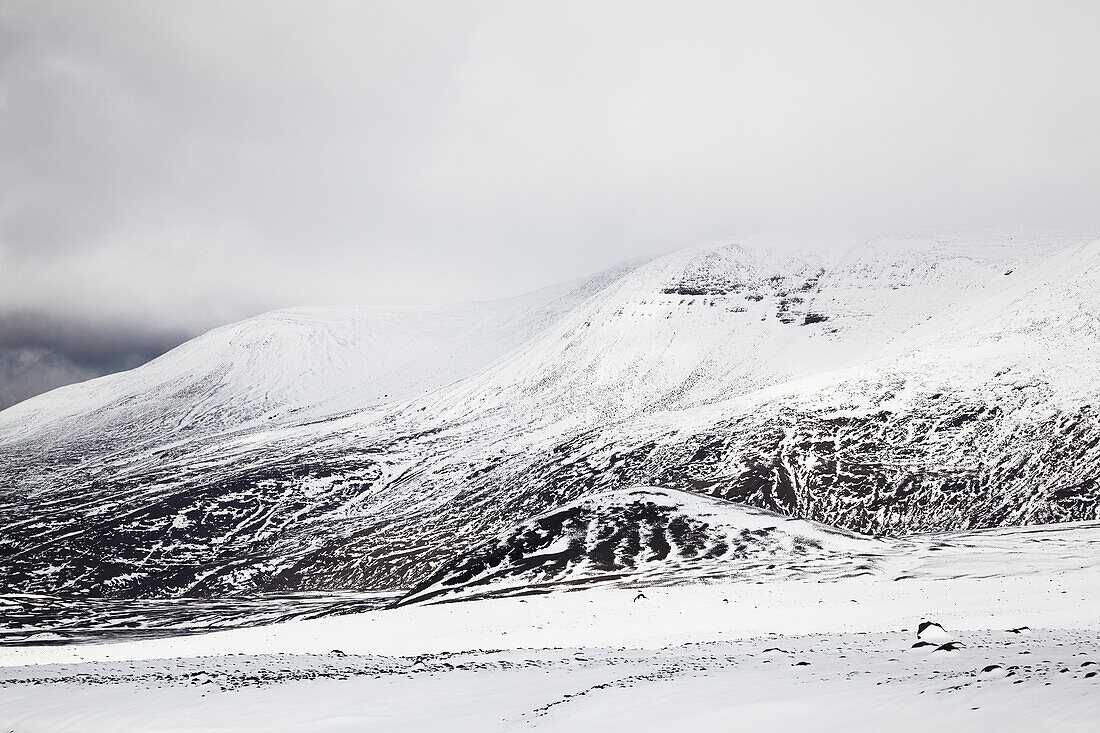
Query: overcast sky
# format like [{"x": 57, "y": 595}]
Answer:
[{"x": 168, "y": 167}]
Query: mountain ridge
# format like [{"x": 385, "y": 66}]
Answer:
[{"x": 843, "y": 390}]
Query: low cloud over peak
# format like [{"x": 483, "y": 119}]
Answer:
[{"x": 177, "y": 166}]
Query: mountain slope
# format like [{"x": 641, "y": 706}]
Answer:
[
  {"x": 894, "y": 387},
  {"x": 718, "y": 321},
  {"x": 286, "y": 366},
  {"x": 647, "y": 536},
  {"x": 985, "y": 414}
]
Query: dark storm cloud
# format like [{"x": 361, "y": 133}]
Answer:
[
  {"x": 39, "y": 351},
  {"x": 181, "y": 165}
]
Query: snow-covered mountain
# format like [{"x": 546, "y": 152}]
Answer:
[
  {"x": 290, "y": 365},
  {"x": 895, "y": 385},
  {"x": 724, "y": 320}
]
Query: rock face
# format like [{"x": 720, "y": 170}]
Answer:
[
  {"x": 646, "y": 535},
  {"x": 897, "y": 386}
]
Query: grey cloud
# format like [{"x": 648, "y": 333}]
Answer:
[
  {"x": 181, "y": 165},
  {"x": 25, "y": 373},
  {"x": 39, "y": 352}
]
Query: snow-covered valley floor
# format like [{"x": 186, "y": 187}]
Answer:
[
  {"x": 1019, "y": 650},
  {"x": 846, "y": 681}
]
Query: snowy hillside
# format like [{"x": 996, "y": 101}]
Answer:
[
  {"x": 645, "y": 536},
  {"x": 297, "y": 364},
  {"x": 892, "y": 386},
  {"x": 725, "y": 320}
]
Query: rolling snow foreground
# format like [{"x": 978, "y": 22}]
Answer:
[
  {"x": 1016, "y": 647},
  {"x": 728, "y": 484}
]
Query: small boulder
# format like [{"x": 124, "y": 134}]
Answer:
[
  {"x": 932, "y": 631},
  {"x": 994, "y": 671},
  {"x": 951, "y": 646}
]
